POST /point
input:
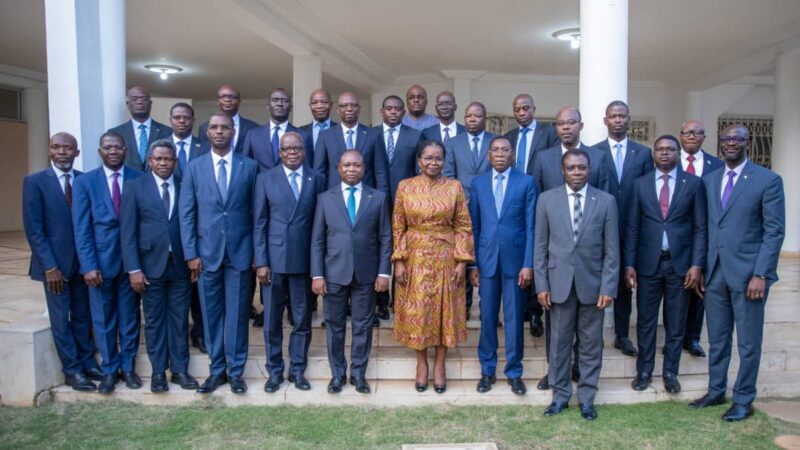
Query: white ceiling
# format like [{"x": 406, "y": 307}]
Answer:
[{"x": 368, "y": 43}]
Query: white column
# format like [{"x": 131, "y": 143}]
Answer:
[
  {"x": 85, "y": 70},
  {"x": 603, "y": 62},
  {"x": 34, "y": 111},
  {"x": 307, "y": 76},
  {"x": 462, "y": 91},
  {"x": 786, "y": 135}
]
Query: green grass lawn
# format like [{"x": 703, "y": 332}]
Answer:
[{"x": 667, "y": 425}]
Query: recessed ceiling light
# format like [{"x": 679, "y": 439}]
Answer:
[
  {"x": 163, "y": 70},
  {"x": 572, "y": 35}
]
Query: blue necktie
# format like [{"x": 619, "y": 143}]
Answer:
[
  {"x": 350, "y": 144},
  {"x": 321, "y": 126},
  {"x": 619, "y": 161},
  {"x": 142, "y": 142},
  {"x": 351, "y": 205},
  {"x": 476, "y": 151},
  {"x": 182, "y": 155},
  {"x": 390, "y": 145},
  {"x": 498, "y": 193},
  {"x": 275, "y": 145},
  {"x": 446, "y": 136},
  {"x": 222, "y": 180},
  {"x": 522, "y": 149},
  {"x": 293, "y": 182}
]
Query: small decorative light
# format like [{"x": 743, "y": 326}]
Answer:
[
  {"x": 163, "y": 70},
  {"x": 572, "y": 35}
]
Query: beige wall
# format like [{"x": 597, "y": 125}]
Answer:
[{"x": 15, "y": 167}]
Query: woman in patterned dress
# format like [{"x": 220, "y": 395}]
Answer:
[{"x": 432, "y": 245}]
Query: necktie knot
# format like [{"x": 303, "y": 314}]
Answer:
[
  {"x": 665, "y": 177},
  {"x": 67, "y": 177},
  {"x": 691, "y": 158},
  {"x": 142, "y": 126},
  {"x": 475, "y": 140},
  {"x": 351, "y": 204},
  {"x": 165, "y": 185},
  {"x": 731, "y": 174},
  {"x": 116, "y": 176},
  {"x": 577, "y": 195},
  {"x": 322, "y": 126},
  {"x": 500, "y": 177},
  {"x": 222, "y": 162},
  {"x": 352, "y": 189},
  {"x": 524, "y": 131}
]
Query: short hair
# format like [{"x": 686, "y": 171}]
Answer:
[
  {"x": 576, "y": 152},
  {"x": 161, "y": 143},
  {"x": 570, "y": 108},
  {"x": 668, "y": 137},
  {"x": 221, "y": 114},
  {"x": 111, "y": 134},
  {"x": 393, "y": 97},
  {"x": 481, "y": 105},
  {"x": 347, "y": 152},
  {"x": 182, "y": 105},
  {"x": 280, "y": 89},
  {"x": 618, "y": 103},
  {"x": 418, "y": 87},
  {"x": 430, "y": 143},
  {"x": 500, "y": 138},
  {"x": 296, "y": 135}
]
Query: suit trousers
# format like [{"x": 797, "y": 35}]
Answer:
[
  {"x": 362, "y": 298},
  {"x": 294, "y": 288},
  {"x": 566, "y": 317},
  {"x": 196, "y": 331},
  {"x": 666, "y": 284},
  {"x": 71, "y": 324},
  {"x": 165, "y": 304},
  {"x": 727, "y": 307},
  {"x": 115, "y": 319},
  {"x": 694, "y": 319},
  {"x": 493, "y": 291},
  {"x": 225, "y": 300},
  {"x": 622, "y": 308}
]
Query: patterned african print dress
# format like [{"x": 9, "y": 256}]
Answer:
[{"x": 432, "y": 233}]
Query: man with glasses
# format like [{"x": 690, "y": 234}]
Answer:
[
  {"x": 447, "y": 127},
  {"x": 141, "y": 130},
  {"x": 417, "y": 100},
  {"x": 228, "y": 101}
]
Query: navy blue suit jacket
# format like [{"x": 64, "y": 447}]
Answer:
[
  {"x": 544, "y": 137},
  {"x": 147, "y": 232},
  {"x": 638, "y": 161},
  {"x": 48, "y": 225},
  {"x": 331, "y": 145},
  {"x": 157, "y": 131},
  {"x": 745, "y": 238},
  {"x": 309, "y": 129},
  {"x": 246, "y": 126},
  {"x": 404, "y": 163},
  {"x": 198, "y": 149},
  {"x": 434, "y": 133},
  {"x": 686, "y": 225},
  {"x": 282, "y": 225},
  {"x": 258, "y": 146},
  {"x": 210, "y": 229},
  {"x": 96, "y": 226},
  {"x": 503, "y": 243},
  {"x": 710, "y": 164},
  {"x": 547, "y": 169},
  {"x": 341, "y": 251}
]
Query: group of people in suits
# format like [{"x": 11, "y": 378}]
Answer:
[{"x": 176, "y": 225}]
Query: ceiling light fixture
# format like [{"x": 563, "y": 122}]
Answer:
[
  {"x": 163, "y": 70},
  {"x": 572, "y": 35}
]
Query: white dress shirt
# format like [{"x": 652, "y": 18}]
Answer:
[
  {"x": 187, "y": 146},
  {"x": 235, "y": 130},
  {"x": 452, "y": 127},
  {"x": 738, "y": 170},
  {"x": 564, "y": 149},
  {"x": 147, "y": 124},
  {"x": 386, "y": 135},
  {"x": 571, "y": 200},
  {"x": 355, "y": 135},
  {"x": 170, "y": 188},
  {"x": 671, "y": 185},
  {"x": 471, "y": 140},
  {"x": 281, "y": 130},
  {"x": 215, "y": 158},
  {"x": 60, "y": 175},
  {"x": 623, "y": 150},
  {"x": 110, "y": 179},
  {"x": 299, "y": 180},
  {"x": 698, "y": 161}
]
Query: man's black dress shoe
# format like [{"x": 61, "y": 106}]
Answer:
[
  {"x": 79, "y": 383},
  {"x": 421, "y": 387},
  {"x": 300, "y": 382},
  {"x": 707, "y": 400},
  {"x": 184, "y": 380},
  {"x": 555, "y": 408},
  {"x": 258, "y": 322},
  {"x": 517, "y": 386},
  {"x": 238, "y": 386},
  {"x": 361, "y": 385},
  {"x": 253, "y": 313},
  {"x": 485, "y": 383},
  {"x": 132, "y": 381},
  {"x": 212, "y": 383},
  {"x": 671, "y": 383},
  {"x": 537, "y": 329},
  {"x": 273, "y": 384},
  {"x": 576, "y": 374},
  {"x": 200, "y": 344},
  {"x": 335, "y": 386},
  {"x": 93, "y": 374},
  {"x": 544, "y": 383},
  {"x": 439, "y": 388},
  {"x": 108, "y": 383},
  {"x": 641, "y": 381},
  {"x": 382, "y": 312},
  {"x": 158, "y": 383},
  {"x": 588, "y": 412},
  {"x": 625, "y": 346},
  {"x": 738, "y": 412},
  {"x": 694, "y": 349},
  {"x": 376, "y": 322}
]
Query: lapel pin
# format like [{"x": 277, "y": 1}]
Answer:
[{"x": 745, "y": 177}]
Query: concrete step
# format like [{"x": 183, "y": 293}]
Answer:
[{"x": 394, "y": 393}]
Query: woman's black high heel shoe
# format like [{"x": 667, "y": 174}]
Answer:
[{"x": 421, "y": 387}]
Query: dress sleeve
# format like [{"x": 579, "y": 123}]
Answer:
[
  {"x": 399, "y": 226},
  {"x": 462, "y": 226}
]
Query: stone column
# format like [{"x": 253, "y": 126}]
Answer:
[
  {"x": 603, "y": 62},
  {"x": 85, "y": 70},
  {"x": 307, "y": 76},
  {"x": 34, "y": 112},
  {"x": 786, "y": 135},
  {"x": 462, "y": 89}
]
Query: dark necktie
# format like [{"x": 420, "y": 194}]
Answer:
[
  {"x": 222, "y": 180},
  {"x": 165, "y": 197},
  {"x": 390, "y": 145},
  {"x": 476, "y": 151},
  {"x": 522, "y": 149},
  {"x": 446, "y": 135},
  {"x": 726, "y": 194},
  {"x": 275, "y": 144},
  {"x": 663, "y": 196},
  {"x": 351, "y": 205},
  {"x": 116, "y": 194},
  {"x": 690, "y": 167},
  {"x": 143, "y": 142},
  {"x": 577, "y": 216},
  {"x": 68, "y": 190},
  {"x": 182, "y": 155}
]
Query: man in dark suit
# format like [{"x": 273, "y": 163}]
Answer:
[
  {"x": 746, "y": 220},
  {"x": 447, "y": 127},
  {"x": 528, "y": 139},
  {"x": 263, "y": 143},
  {"x": 696, "y": 161},
  {"x": 216, "y": 219},
  {"x": 320, "y": 105},
  {"x": 181, "y": 118},
  {"x": 152, "y": 256},
  {"x": 47, "y": 215},
  {"x": 351, "y": 247},
  {"x": 629, "y": 161},
  {"x": 665, "y": 252},
  {"x": 141, "y": 131},
  {"x": 228, "y": 101},
  {"x": 284, "y": 211},
  {"x": 576, "y": 264},
  {"x": 502, "y": 207},
  {"x": 96, "y": 206},
  {"x": 349, "y": 135}
]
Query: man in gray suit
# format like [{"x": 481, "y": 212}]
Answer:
[
  {"x": 576, "y": 269},
  {"x": 351, "y": 246},
  {"x": 746, "y": 220}
]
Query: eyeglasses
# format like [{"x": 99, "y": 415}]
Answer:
[
  {"x": 228, "y": 97},
  {"x": 294, "y": 149},
  {"x": 693, "y": 133},
  {"x": 733, "y": 139}
]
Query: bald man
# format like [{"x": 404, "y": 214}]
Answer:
[
  {"x": 417, "y": 101},
  {"x": 320, "y": 105},
  {"x": 229, "y": 99},
  {"x": 141, "y": 130}
]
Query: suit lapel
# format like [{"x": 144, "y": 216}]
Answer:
[
  {"x": 563, "y": 208},
  {"x": 741, "y": 185},
  {"x": 366, "y": 199},
  {"x": 510, "y": 185},
  {"x": 54, "y": 186},
  {"x": 680, "y": 188},
  {"x": 630, "y": 155},
  {"x": 101, "y": 182},
  {"x": 361, "y": 137},
  {"x": 340, "y": 203},
  {"x": 211, "y": 175},
  {"x": 588, "y": 210}
]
